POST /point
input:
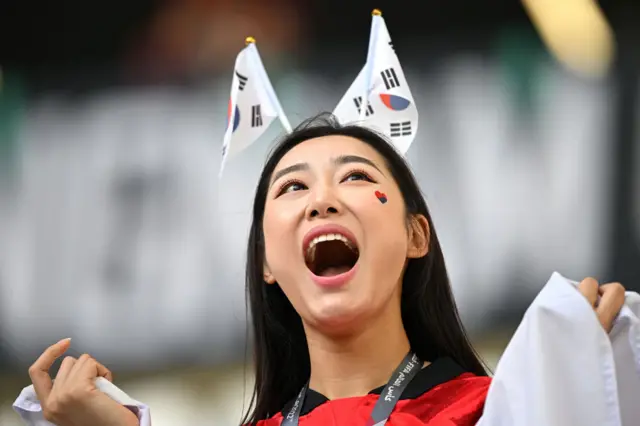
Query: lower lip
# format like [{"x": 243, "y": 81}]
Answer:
[{"x": 336, "y": 280}]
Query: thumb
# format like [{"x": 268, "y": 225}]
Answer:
[{"x": 39, "y": 371}]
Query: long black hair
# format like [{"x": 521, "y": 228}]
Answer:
[{"x": 429, "y": 313}]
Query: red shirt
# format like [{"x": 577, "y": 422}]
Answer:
[{"x": 441, "y": 394}]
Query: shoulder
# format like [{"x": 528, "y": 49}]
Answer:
[
  {"x": 465, "y": 386},
  {"x": 444, "y": 376},
  {"x": 466, "y": 389},
  {"x": 458, "y": 401},
  {"x": 273, "y": 421},
  {"x": 467, "y": 382}
]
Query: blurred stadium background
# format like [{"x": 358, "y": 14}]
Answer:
[{"x": 115, "y": 232}]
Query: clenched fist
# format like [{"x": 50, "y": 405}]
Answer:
[
  {"x": 73, "y": 399},
  {"x": 606, "y": 300}
]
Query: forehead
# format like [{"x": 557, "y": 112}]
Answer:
[{"x": 321, "y": 150}]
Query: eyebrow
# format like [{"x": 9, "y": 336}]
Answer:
[{"x": 340, "y": 160}]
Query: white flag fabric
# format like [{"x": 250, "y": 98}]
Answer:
[
  {"x": 391, "y": 109},
  {"x": 561, "y": 368},
  {"x": 253, "y": 104},
  {"x": 28, "y": 407}
]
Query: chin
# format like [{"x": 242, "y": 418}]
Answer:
[{"x": 338, "y": 314}]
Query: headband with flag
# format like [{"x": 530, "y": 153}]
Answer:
[
  {"x": 253, "y": 103},
  {"x": 382, "y": 87}
]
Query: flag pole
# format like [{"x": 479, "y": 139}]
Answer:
[
  {"x": 267, "y": 83},
  {"x": 373, "y": 40}
]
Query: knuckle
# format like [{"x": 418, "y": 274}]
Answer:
[
  {"x": 33, "y": 370},
  {"x": 590, "y": 280},
  {"x": 85, "y": 357},
  {"x": 618, "y": 288},
  {"x": 48, "y": 415},
  {"x": 52, "y": 410},
  {"x": 67, "y": 399},
  {"x": 63, "y": 400}
]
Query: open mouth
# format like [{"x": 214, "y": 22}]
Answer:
[{"x": 331, "y": 254}]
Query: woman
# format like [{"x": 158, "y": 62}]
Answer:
[{"x": 353, "y": 317}]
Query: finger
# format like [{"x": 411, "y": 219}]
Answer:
[
  {"x": 103, "y": 371},
  {"x": 39, "y": 371},
  {"x": 606, "y": 287},
  {"x": 88, "y": 368},
  {"x": 76, "y": 372},
  {"x": 611, "y": 302},
  {"x": 65, "y": 368},
  {"x": 589, "y": 289}
]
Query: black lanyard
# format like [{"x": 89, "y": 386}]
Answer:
[{"x": 388, "y": 399}]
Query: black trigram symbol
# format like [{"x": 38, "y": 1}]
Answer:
[
  {"x": 242, "y": 80},
  {"x": 358, "y": 102},
  {"x": 256, "y": 116},
  {"x": 400, "y": 129},
  {"x": 391, "y": 46},
  {"x": 390, "y": 78},
  {"x": 224, "y": 150}
]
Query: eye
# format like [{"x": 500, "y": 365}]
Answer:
[
  {"x": 355, "y": 175},
  {"x": 291, "y": 186}
]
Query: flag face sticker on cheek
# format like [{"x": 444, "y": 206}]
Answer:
[{"x": 381, "y": 196}]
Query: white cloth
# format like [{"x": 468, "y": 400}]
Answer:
[
  {"x": 29, "y": 409},
  {"x": 561, "y": 368}
]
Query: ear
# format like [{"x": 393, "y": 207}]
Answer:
[
  {"x": 419, "y": 236},
  {"x": 267, "y": 276}
]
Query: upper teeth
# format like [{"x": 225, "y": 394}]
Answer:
[{"x": 327, "y": 237}]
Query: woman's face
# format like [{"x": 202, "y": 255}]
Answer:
[{"x": 333, "y": 245}]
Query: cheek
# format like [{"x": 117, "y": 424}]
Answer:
[
  {"x": 281, "y": 253},
  {"x": 279, "y": 226},
  {"x": 385, "y": 229},
  {"x": 384, "y": 208}
]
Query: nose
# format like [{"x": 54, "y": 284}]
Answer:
[{"x": 323, "y": 204}]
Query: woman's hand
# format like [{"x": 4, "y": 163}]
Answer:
[
  {"x": 73, "y": 399},
  {"x": 607, "y": 300}
]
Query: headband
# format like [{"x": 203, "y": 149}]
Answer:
[{"x": 380, "y": 85}]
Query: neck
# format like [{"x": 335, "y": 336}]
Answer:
[{"x": 353, "y": 365}]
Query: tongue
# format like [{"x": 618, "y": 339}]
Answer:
[{"x": 332, "y": 271}]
